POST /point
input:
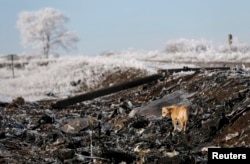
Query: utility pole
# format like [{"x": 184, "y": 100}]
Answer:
[
  {"x": 230, "y": 41},
  {"x": 12, "y": 57},
  {"x": 12, "y": 64}
]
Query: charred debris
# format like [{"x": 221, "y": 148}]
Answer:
[{"x": 126, "y": 126}]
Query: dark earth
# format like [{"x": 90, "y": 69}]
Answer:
[{"x": 127, "y": 127}]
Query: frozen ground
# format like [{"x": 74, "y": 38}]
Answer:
[{"x": 40, "y": 78}]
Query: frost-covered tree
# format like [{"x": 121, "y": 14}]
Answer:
[{"x": 44, "y": 30}]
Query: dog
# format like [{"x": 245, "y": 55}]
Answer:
[{"x": 179, "y": 114}]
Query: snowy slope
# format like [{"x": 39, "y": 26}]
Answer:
[{"x": 54, "y": 77}]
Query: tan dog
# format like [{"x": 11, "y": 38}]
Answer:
[{"x": 178, "y": 114}]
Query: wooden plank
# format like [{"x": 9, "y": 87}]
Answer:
[{"x": 105, "y": 91}]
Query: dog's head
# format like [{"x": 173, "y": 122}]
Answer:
[{"x": 166, "y": 111}]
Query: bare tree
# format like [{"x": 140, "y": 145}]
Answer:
[{"x": 44, "y": 29}]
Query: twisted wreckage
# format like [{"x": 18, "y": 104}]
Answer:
[{"x": 127, "y": 126}]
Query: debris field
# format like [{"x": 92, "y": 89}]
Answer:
[{"x": 127, "y": 126}]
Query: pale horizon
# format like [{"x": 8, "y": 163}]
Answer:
[{"x": 140, "y": 25}]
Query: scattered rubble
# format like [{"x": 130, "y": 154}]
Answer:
[{"x": 127, "y": 126}]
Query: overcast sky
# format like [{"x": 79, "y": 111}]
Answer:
[{"x": 116, "y": 25}]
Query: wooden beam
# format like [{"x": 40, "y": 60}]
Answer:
[{"x": 105, "y": 91}]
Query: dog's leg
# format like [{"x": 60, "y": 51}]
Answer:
[
  {"x": 185, "y": 125},
  {"x": 174, "y": 123},
  {"x": 182, "y": 124}
]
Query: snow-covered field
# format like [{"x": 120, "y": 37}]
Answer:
[{"x": 36, "y": 82}]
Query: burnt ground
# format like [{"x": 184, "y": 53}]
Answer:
[{"x": 103, "y": 131}]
